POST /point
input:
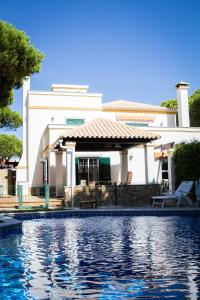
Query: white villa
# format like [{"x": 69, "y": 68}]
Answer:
[{"x": 70, "y": 136}]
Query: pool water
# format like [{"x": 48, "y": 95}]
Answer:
[{"x": 102, "y": 258}]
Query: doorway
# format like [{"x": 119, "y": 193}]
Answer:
[{"x": 88, "y": 169}]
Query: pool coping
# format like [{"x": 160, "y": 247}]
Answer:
[{"x": 81, "y": 213}]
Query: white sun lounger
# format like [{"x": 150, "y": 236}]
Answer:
[{"x": 180, "y": 194}]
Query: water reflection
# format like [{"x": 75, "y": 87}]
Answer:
[{"x": 103, "y": 258}]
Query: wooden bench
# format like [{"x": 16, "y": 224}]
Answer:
[{"x": 91, "y": 203}]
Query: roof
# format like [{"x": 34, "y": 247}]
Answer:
[
  {"x": 106, "y": 129},
  {"x": 130, "y": 105}
]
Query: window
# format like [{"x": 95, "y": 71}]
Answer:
[
  {"x": 164, "y": 169},
  {"x": 92, "y": 169},
  {"x": 88, "y": 168},
  {"x": 165, "y": 177},
  {"x": 137, "y": 124},
  {"x": 74, "y": 122}
]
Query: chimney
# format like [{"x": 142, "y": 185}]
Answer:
[{"x": 183, "y": 108}]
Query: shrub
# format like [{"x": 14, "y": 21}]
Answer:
[{"x": 187, "y": 161}]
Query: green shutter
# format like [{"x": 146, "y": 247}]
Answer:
[
  {"x": 104, "y": 169},
  {"x": 77, "y": 174}
]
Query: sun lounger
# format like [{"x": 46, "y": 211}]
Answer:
[{"x": 180, "y": 194}]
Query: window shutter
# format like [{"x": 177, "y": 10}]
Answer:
[
  {"x": 104, "y": 169},
  {"x": 77, "y": 177}
]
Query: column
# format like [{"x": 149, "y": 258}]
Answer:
[
  {"x": 146, "y": 164},
  {"x": 64, "y": 168},
  {"x": 124, "y": 165},
  {"x": 171, "y": 172},
  {"x": 70, "y": 164},
  {"x": 59, "y": 173},
  {"x": 52, "y": 167}
]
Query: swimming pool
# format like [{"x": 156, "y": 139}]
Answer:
[{"x": 102, "y": 258}]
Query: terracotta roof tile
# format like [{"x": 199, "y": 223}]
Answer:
[
  {"x": 103, "y": 128},
  {"x": 130, "y": 105}
]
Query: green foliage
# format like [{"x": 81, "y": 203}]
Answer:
[
  {"x": 9, "y": 119},
  {"x": 10, "y": 146},
  {"x": 187, "y": 161},
  {"x": 169, "y": 104},
  {"x": 18, "y": 60},
  {"x": 194, "y": 108},
  {"x": 194, "y": 105}
]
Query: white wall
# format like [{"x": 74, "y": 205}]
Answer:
[
  {"x": 177, "y": 134},
  {"x": 63, "y": 100},
  {"x": 164, "y": 120},
  {"x": 38, "y": 120},
  {"x": 136, "y": 164}
]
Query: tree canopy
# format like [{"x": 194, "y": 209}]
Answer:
[
  {"x": 18, "y": 60},
  {"x": 10, "y": 146},
  {"x": 169, "y": 104},
  {"x": 9, "y": 119},
  {"x": 194, "y": 107}
]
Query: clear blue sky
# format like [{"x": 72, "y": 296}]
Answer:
[{"x": 127, "y": 49}]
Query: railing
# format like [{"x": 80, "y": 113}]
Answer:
[
  {"x": 38, "y": 197},
  {"x": 95, "y": 195},
  {"x": 110, "y": 195},
  {"x": 25, "y": 197},
  {"x": 29, "y": 197}
]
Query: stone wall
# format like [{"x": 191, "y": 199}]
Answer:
[{"x": 109, "y": 195}]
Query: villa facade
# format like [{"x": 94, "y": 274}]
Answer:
[{"x": 71, "y": 137}]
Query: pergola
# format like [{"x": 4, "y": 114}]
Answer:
[{"x": 99, "y": 135}]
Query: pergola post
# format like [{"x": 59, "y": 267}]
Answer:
[
  {"x": 59, "y": 172},
  {"x": 171, "y": 171},
  {"x": 70, "y": 164},
  {"x": 146, "y": 164},
  {"x": 124, "y": 165}
]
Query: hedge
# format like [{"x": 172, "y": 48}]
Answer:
[{"x": 187, "y": 161}]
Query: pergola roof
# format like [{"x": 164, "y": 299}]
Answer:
[
  {"x": 103, "y": 128},
  {"x": 106, "y": 135}
]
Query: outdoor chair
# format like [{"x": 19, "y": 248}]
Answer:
[
  {"x": 92, "y": 183},
  {"x": 179, "y": 195},
  {"x": 129, "y": 178}
]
